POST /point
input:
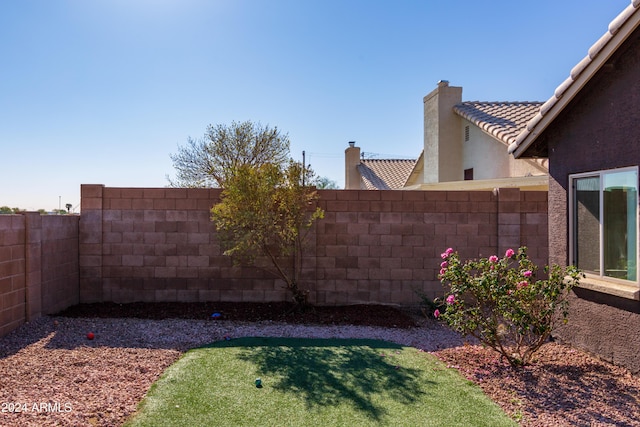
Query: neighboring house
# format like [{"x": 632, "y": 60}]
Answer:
[
  {"x": 463, "y": 142},
  {"x": 375, "y": 174},
  {"x": 590, "y": 132},
  {"x": 466, "y": 141}
]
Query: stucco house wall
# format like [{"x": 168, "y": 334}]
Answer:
[
  {"x": 486, "y": 156},
  {"x": 442, "y": 144},
  {"x": 597, "y": 131}
]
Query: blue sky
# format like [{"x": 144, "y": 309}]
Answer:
[{"x": 102, "y": 92}]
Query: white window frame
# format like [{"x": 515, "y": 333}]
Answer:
[{"x": 599, "y": 281}]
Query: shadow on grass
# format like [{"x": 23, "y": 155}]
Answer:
[{"x": 334, "y": 371}]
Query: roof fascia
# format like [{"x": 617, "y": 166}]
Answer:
[{"x": 567, "y": 91}]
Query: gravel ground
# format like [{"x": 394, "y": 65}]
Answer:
[{"x": 53, "y": 375}]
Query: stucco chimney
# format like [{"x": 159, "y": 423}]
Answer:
[
  {"x": 442, "y": 142},
  {"x": 351, "y": 162}
]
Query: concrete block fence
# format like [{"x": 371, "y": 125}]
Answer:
[
  {"x": 39, "y": 271},
  {"x": 158, "y": 244}
]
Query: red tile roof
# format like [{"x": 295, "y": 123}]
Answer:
[
  {"x": 502, "y": 120},
  {"x": 385, "y": 174}
]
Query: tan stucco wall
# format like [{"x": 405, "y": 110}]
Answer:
[
  {"x": 489, "y": 158},
  {"x": 442, "y": 145},
  {"x": 352, "y": 179}
]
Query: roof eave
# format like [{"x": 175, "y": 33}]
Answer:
[{"x": 580, "y": 75}]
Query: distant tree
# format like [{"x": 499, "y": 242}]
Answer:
[
  {"x": 324, "y": 183},
  {"x": 7, "y": 210},
  {"x": 266, "y": 212},
  {"x": 208, "y": 162}
]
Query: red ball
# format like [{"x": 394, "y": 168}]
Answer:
[{"x": 90, "y": 336}]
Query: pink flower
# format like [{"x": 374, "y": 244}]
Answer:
[
  {"x": 522, "y": 284},
  {"x": 493, "y": 258},
  {"x": 444, "y": 264},
  {"x": 447, "y": 253},
  {"x": 451, "y": 299},
  {"x": 509, "y": 253},
  {"x": 527, "y": 273},
  {"x": 436, "y": 313},
  {"x": 442, "y": 271}
]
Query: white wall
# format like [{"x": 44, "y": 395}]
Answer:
[{"x": 489, "y": 158}]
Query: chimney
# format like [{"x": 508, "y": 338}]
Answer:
[
  {"x": 442, "y": 142},
  {"x": 351, "y": 162}
]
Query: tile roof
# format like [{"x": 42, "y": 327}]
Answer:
[
  {"x": 619, "y": 29},
  {"x": 385, "y": 174},
  {"x": 501, "y": 120}
]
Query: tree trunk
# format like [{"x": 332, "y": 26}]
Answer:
[{"x": 300, "y": 297}]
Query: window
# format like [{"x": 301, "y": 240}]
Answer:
[
  {"x": 604, "y": 215},
  {"x": 468, "y": 174},
  {"x": 466, "y": 133}
]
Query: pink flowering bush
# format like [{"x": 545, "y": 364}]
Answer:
[{"x": 501, "y": 302}]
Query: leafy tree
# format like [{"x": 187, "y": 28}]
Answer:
[
  {"x": 8, "y": 210},
  {"x": 324, "y": 183},
  {"x": 264, "y": 217},
  {"x": 208, "y": 162}
]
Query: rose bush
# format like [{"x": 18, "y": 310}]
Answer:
[{"x": 501, "y": 302}]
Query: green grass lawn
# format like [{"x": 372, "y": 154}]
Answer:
[{"x": 314, "y": 382}]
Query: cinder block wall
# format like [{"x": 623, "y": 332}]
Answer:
[
  {"x": 12, "y": 272},
  {"x": 383, "y": 246},
  {"x": 38, "y": 266},
  {"x": 158, "y": 244},
  {"x": 59, "y": 266}
]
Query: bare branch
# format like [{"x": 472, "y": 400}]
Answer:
[{"x": 209, "y": 161}]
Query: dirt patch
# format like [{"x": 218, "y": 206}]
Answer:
[{"x": 369, "y": 315}]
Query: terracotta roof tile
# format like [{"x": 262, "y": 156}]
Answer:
[
  {"x": 385, "y": 174},
  {"x": 502, "y": 120}
]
